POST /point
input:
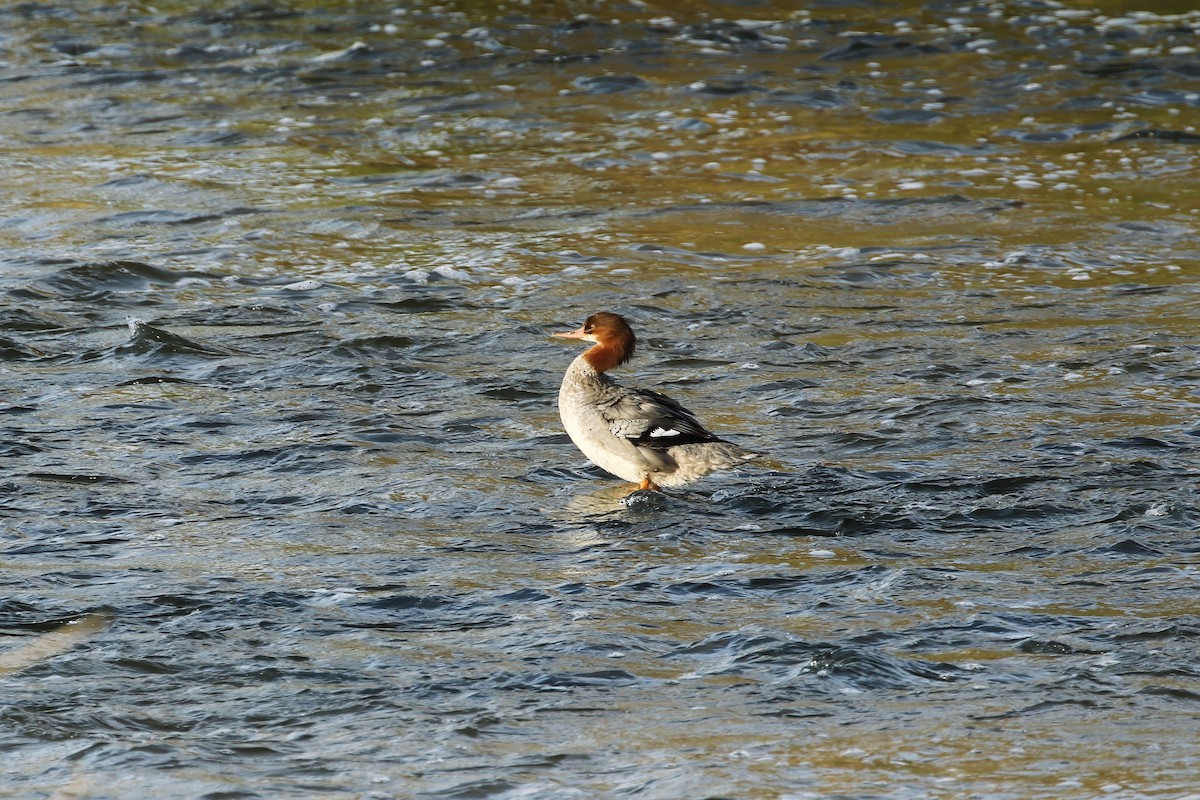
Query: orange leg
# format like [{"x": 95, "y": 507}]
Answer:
[{"x": 649, "y": 484}]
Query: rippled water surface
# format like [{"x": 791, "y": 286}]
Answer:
[{"x": 286, "y": 509}]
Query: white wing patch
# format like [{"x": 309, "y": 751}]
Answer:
[{"x": 650, "y": 420}]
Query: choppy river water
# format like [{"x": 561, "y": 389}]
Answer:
[{"x": 285, "y": 506}]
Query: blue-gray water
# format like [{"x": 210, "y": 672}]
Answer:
[{"x": 286, "y": 509}]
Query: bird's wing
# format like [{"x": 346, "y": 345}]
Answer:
[{"x": 650, "y": 419}]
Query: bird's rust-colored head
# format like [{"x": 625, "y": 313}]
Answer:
[{"x": 613, "y": 340}]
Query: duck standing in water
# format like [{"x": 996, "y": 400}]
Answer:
[{"x": 636, "y": 434}]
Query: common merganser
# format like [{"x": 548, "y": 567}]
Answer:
[{"x": 636, "y": 434}]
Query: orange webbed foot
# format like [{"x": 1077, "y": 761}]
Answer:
[{"x": 648, "y": 484}]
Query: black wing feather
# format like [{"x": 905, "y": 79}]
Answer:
[{"x": 650, "y": 419}]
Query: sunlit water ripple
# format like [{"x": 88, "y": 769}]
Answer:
[{"x": 286, "y": 507}]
